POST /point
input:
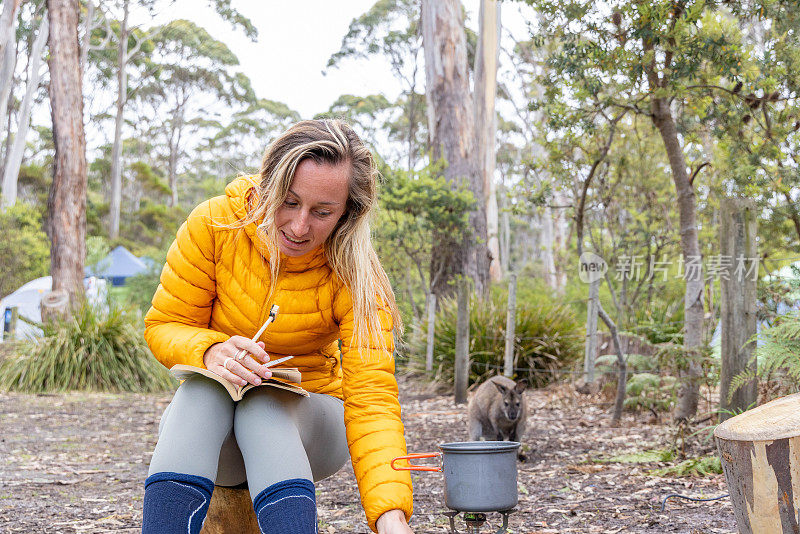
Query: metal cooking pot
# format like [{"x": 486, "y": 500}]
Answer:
[{"x": 479, "y": 476}]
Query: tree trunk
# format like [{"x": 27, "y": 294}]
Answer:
[
  {"x": 14, "y": 157},
  {"x": 511, "y": 326},
  {"x": 8, "y": 23},
  {"x": 116, "y": 151},
  {"x": 590, "y": 347},
  {"x": 87, "y": 34},
  {"x": 505, "y": 242},
  {"x": 738, "y": 231},
  {"x": 453, "y": 138},
  {"x": 546, "y": 245},
  {"x": 174, "y": 148},
  {"x": 7, "y": 67},
  {"x": 689, "y": 392},
  {"x": 486, "y": 58},
  {"x": 461, "y": 364},
  {"x": 760, "y": 455},
  {"x": 67, "y": 200}
]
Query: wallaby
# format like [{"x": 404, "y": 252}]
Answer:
[{"x": 497, "y": 411}]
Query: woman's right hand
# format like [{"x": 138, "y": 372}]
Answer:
[{"x": 220, "y": 358}]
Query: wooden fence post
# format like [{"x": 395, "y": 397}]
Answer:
[
  {"x": 511, "y": 322},
  {"x": 431, "y": 326},
  {"x": 738, "y": 272},
  {"x": 461, "y": 370},
  {"x": 590, "y": 352}
]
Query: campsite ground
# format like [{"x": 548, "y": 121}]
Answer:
[{"x": 74, "y": 463}]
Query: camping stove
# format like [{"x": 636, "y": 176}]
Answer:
[{"x": 475, "y": 520}]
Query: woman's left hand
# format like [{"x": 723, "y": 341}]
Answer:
[{"x": 393, "y": 522}]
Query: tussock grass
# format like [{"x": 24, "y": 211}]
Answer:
[
  {"x": 548, "y": 338},
  {"x": 94, "y": 350}
]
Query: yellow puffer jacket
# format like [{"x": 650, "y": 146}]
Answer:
[{"x": 215, "y": 285}]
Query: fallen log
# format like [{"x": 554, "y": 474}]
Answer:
[{"x": 760, "y": 455}]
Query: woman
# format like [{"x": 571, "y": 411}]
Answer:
[{"x": 296, "y": 236}]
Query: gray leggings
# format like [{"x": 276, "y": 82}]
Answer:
[{"x": 269, "y": 436}]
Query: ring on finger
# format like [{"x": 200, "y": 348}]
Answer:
[
  {"x": 225, "y": 363},
  {"x": 240, "y": 355}
]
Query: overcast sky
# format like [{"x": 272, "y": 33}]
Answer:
[{"x": 295, "y": 40}]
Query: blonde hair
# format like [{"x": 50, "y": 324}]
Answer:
[{"x": 348, "y": 249}]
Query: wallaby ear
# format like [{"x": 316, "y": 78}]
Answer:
[
  {"x": 521, "y": 385},
  {"x": 501, "y": 388}
]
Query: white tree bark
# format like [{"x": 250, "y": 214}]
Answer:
[
  {"x": 116, "y": 151},
  {"x": 87, "y": 34},
  {"x": 486, "y": 58},
  {"x": 7, "y": 67},
  {"x": 8, "y": 23},
  {"x": 14, "y": 159}
]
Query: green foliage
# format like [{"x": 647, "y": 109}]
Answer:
[
  {"x": 235, "y": 18},
  {"x": 693, "y": 467},
  {"x": 414, "y": 205},
  {"x": 24, "y": 249},
  {"x": 143, "y": 286},
  {"x": 634, "y": 363},
  {"x": 650, "y": 392},
  {"x": 152, "y": 225},
  {"x": 149, "y": 178},
  {"x": 97, "y": 249},
  {"x": 94, "y": 350},
  {"x": 776, "y": 356},
  {"x": 547, "y": 338},
  {"x": 674, "y": 360},
  {"x": 639, "y": 457}
]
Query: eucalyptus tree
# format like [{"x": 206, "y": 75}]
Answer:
[
  {"x": 13, "y": 158},
  {"x": 8, "y": 18},
  {"x": 195, "y": 75},
  {"x": 369, "y": 114},
  {"x": 130, "y": 43},
  {"x": 8, "y": 58},
  {"x": 486, "y": 60},
  {"x": 67, "y": 202},
  {"x": 758, "y": 121},
  {"x": 650, "y": 58},
  {"x": 390, "y": 29},
  {"x": 235, "y": 146},
  {"x": 452, "y": 130}
]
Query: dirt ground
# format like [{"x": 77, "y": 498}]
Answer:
[{"x": 75, "y": 463}]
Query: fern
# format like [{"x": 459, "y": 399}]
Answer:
[{"x": 777, "y": 356}]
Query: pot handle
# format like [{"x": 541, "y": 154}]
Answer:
[{"x": 417, "y": 467}]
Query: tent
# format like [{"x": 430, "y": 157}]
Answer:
[
  {"x": 118, "y": 266},
  {"x": 28, "y": 297}
]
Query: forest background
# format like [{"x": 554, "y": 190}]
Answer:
[{"x": 618, "y": 128}]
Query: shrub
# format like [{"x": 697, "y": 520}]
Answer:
[
  {"x": 95, "y": 350},
  {"x": 645, "y": 388},
  {"x": 651, "y": 392},
  {"x": 142, "y": 287},
  {"x": 24, "y": 249},
  {"x": 548, "y": 337},
  {"x": 777, "y": 358}
]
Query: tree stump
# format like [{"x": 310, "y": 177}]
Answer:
[
  {"x": 54, "y": 305},
  {"x": 760, "y": 452},
  {"x": 231, "y": 512}
]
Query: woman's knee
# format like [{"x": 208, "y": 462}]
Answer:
[
  {"x": 199, "y": 386},
  {"x": 267, "y": 404}
]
